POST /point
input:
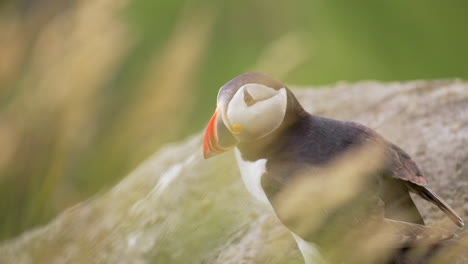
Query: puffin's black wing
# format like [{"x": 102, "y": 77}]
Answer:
[
  {"x": 399, "y": 164},
  {"x": 402, "y": 171},
  {"x": 402, "y": 167},
  {"x": 393, "y": 190}
]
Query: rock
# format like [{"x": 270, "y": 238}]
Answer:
[{"x": 179, "y": 208}]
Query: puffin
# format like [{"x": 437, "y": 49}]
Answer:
[{"x": 276, "y": 140}]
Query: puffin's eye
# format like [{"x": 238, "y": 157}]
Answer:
[{"x": 248, "y": 99}]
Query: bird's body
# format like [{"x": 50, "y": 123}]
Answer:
[
  {"x": 277, "y": 141},
  {"x": 290, "y": 155}
]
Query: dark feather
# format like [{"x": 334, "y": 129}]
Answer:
[
  {"x": 402, "y": 167},
  {"x": 429, "y": 195},
  {"x": 408, "y": 175}
]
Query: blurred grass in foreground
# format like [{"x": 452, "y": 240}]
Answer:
[{"x": 90, "y": 88}]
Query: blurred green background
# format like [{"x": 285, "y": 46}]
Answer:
[{"x": 89, "y": 89}]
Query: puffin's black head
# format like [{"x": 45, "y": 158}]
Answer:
[{"x": 249, "y": 107}]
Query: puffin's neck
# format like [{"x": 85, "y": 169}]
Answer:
[{"x": 264, "y": 147}]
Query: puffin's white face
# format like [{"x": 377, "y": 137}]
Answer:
[
  {"x": 250, "y": 106},
  {"x": 255, "y": 111}
]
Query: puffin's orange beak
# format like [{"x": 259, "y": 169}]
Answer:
[{"x": 218, "y": 138}]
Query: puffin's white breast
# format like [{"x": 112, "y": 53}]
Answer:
[
  {"x": 252, "y": 172},
  {"x": 309, "y": 251}
]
